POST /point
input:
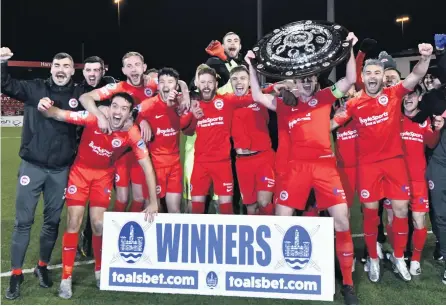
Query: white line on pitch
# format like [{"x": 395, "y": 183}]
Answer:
[
  {"x": 26, "y": 271},
  {"x": 81, "y": 263},
  {"x": 16, "y": 137}
]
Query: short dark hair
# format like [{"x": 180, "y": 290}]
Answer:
[
  {"x": 394, "y": 69},
  {"x": 148, "y": 71},
  {"x": 169, "y": 72},
  {"x": 418, "y": 90},
  {"x": 94, "y": 59},
  {"x": 62, "y": 55},
  {"x": 206, "y": 70},
  {"x": 125, "y": 96},
  {"x": 239, "y": 69}
]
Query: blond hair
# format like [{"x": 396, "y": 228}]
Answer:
[{"x": 130, "y": 54}]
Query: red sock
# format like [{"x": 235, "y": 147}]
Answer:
[
  {"x": 400, "y": 233},
  {"x": 16, "y": 271},
  {"x": 119, "y": 206},
  {"x": 389, "y": 231},
  {"x": 344, "y": 252},
  {"x": 136, "y": 206},
  {"x": 42, "y": 264},
  {"x": 97, "y": 250},
  {"x": 69, "y": 247},
  {"x": 268, "y": 210},
  {"x": 226, "y": 208},
  {"x": 311, "y": 212},
  {"x": 371, "y": 221},
  {"x": 197, "y": 207},
  {"x": 418, "y": 239}
]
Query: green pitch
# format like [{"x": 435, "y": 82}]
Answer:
[{"x": 425, "y": 289}]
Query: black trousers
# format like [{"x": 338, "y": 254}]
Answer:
[{"x": 32, "y": 181}]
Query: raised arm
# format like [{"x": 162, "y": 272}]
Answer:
[
  {"x": 20, "y": 90},
  {"x": 420, "y": 69},
  {"x": 344, "y": 84},
  {"x": 78, "y": 118},
  {"x": 269, "y": 101}
]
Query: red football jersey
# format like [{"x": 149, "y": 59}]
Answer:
[
  {"x": 309, "y": 126},
  {"x": 250, "y": 128},
  {"x": 138, "y": 93},
  {"x": 166, "y": 126},
  {"x": 214, "y": 128},
  {"x": 96, "y": 149},
  {"x": 378, "y": 122},
  {"x": 283, "y": 148},
  {"x": 346, "y": 145},
  {"x": 415, "y": 136}
]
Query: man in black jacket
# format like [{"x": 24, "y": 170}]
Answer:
[
  {"x": 94, "y": 77},
  {"x": 47, "y": 151}
]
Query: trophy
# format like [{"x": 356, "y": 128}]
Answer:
[{"x": 300, "y": 49}]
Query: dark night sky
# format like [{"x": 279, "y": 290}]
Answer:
[{"x": 175, "y": 32}]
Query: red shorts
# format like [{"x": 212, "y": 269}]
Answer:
[
  {"x": 218, "y": 173},
  {"x": 123, "y": 166},
  {"x": 168, "y": 179},
  {"x": 280, "y": 184},
  {"x": 322, "y": 175},
  {"x": 419, "y": 200},
  {"x": 86, "y": 183},
  {"x": 348, "y": 180},
  {"x": 255, "y": 173},
  {"x": 384, "y": 179}
]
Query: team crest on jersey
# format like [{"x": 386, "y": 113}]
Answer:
[
  {"x": 148, "y": 92},
  {"x": 218, "y": 104},
  {"x": 158, "y": 189},
  {"x": 117, "y": 177},
  {"x": 312, "y": 102},
  {"x": 383, "y": 100},
  {"x": 116, "y": 143},
  {"x": 73, "y": 103},
  {"x": 423, "y": 125}
]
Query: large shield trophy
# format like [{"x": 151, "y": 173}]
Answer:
[{"x": 301, "y": 49}]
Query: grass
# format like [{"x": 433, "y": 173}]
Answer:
[{"x": 426, "y": 289}]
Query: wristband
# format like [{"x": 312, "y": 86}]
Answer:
[{"x": 336, "y": 92}]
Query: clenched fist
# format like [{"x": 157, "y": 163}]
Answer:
[
  {"x": 5, "y": 54},
  {"x": 44, "y": 104},
  {"x": 196, "y": 110},
  {"x": 351, "y": 37},
  {"x": 250, "y": 55},
  {"x": 425, "y": 50},
  {"x": 438, "y": 122}
]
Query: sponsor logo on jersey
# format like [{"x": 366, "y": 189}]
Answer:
[
  {"x": 375, "y": 119},
  {"x": 210, "y": 122},
  {"x": 166, "y": 132},
  {"x": 295, "y": 121},
  {"x": 99, "y": 151}
]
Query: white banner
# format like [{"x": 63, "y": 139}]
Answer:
[
  {"x": 227, "y": 255},
  {"x": 12, "y": 121}
]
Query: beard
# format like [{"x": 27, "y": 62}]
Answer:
[{"x": 207, "y": 96}]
